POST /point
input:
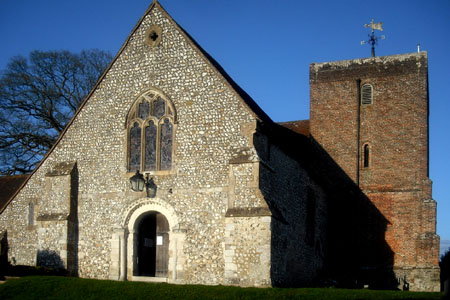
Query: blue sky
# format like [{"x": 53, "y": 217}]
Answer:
[{"x": 266, "y": 46}]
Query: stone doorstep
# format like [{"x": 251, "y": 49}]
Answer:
[{"x": 149, "y": 279}]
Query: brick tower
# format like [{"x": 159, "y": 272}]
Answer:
[{"x": 371, "y": 116}]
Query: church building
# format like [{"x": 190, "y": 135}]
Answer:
[{"x": 170, "y": 172}]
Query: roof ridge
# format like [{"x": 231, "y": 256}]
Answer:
[
  {"x": 240, "y": 93},
  {"x": 298, "y": 126},
  {"x": 303, "y": 120},
  {"x": 83, "y": 103}
]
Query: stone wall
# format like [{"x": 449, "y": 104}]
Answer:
[
  {"x": 209, "y": 132},
  {"x": 247, "y": 253},
  {"x": 299, "y": 218},
  {"x": 240, "y": 209}
]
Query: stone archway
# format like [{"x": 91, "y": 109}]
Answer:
[{"x": 126, "y": 241}]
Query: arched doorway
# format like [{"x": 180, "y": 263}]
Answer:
[
  {"x": 152, "y": 245},
  {"x": 126, "y": 243}
]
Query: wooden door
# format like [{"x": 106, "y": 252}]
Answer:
[{"x": 162, "y": 246}]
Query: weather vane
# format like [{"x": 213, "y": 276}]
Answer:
[{"x": 373, "y": 40}]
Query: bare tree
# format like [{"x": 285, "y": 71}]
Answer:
[
  {"x": 38, "y": 96},
  {"x": 444, "y": 263}
]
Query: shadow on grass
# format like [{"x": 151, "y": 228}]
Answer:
[
  {"x": 75, "y": 288},
  {"x": 22, "y": 271}
]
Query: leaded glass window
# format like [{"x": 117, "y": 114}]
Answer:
[
  {"x": 150, "y": 132},
  {"x": 135, "y": 147},
  {"x": 144, "y": 110},
  {"x": 166, "y": 145},
  {"x": 150, "y": 147},
  {"x": 159, "y": 108}
]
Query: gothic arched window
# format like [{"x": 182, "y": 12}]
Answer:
[{"x": 150, "y": 126}]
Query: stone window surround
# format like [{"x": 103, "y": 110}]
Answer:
[
  {"x": 153, "y": 35},
  {"x": 132, "y": 117}
]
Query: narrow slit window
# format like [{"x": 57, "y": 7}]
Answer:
[
  {"x": 366, "y": 94},
  {"x": 366, "y": 156},
  {"x": 310, "y": 226},
  {"x": 31, "y": 214}
]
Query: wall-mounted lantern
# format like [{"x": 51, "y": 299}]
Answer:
[{"x": 138, "y": 183}]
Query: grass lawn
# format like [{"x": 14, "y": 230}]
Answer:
[{"x": 52, "y": 287}]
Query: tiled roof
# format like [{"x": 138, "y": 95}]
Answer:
[
  {"x": 300, "y": 126},
  {"x": 8, "y": 187}
]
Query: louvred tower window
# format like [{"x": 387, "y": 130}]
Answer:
[
  {"x": 366, "y": 94},
  {"x": 150, "y": 126}
]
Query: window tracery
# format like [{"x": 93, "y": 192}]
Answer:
[{"x": 150, "y": 127}]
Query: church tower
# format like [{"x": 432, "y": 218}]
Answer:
[{"x": 371, "y": 116}]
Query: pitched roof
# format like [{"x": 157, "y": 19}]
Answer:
[
  {"x": 300, "y": 126},
  {"x": 248, "y": 101},
  {"x": 9, "y": 186},
  {"x": 242, "y": 95}
]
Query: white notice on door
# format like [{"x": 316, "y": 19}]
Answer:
[{"x": 159, "y": 240}]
